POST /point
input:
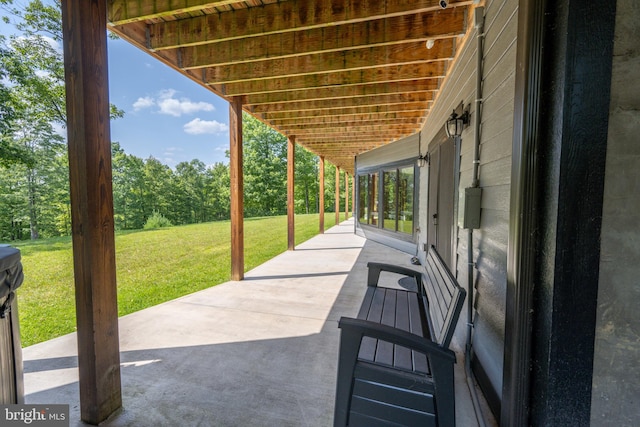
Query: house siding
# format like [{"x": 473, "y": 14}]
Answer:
[
  {"x": 490, "y": 241},
  {"x": 496, "y": 135},
  {"x": 616, "y": 372}
]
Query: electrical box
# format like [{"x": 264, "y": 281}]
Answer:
[{"x": 469, "y": 208}]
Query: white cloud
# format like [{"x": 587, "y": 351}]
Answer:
[
  {"x": 142, "y": 103},
  {"x": 176, "y": 108},
  {"x": 198, "y": 126},
  {"x": 169, "y": 104}
]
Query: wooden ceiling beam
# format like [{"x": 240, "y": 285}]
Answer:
[
  {"x": 352, "y": 124},
  {"x": 380, "y": 118},
  {"x": 372, "y": 57},
  {"x": 255, "y": 21},
  {"x": 356, "y": 138},
  {"x": 368, "y": 128},
  {"x": 128, "y": 11},
  {"x": 401, "y": 98},
  {"x": 351, "y": 137},
  {"x": 382, "y": 32},
  {"x": 418, "y": 106},
  {"x": 394, "y": 73},
  {"x": 342, "y": 92},
  {"x": 359, "y": 133}
]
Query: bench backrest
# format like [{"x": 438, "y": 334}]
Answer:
[{"x": 443, "y": 298}]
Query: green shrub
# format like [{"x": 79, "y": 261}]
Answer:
[{"x": 156, "y": 220}]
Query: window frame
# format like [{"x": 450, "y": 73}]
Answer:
[{"x": 379, "y": 171}]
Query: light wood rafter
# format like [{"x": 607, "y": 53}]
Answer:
[{"x": 341, "y": 77}]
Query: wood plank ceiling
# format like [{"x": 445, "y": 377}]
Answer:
[{"x": 343, "y": 77}]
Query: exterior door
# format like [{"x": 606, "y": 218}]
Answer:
[{"x": 441, "y": 196}]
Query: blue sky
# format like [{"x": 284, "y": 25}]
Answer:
[{"x": 167, "y": 116}]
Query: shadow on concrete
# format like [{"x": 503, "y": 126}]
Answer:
[{"x": 262, "y": 352}]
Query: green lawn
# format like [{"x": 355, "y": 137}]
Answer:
[{"x": 153, "y": 266}]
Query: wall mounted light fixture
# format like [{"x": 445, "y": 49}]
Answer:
[
  {"x": 455, "y": 124},
  {"x": 422, "y": 160}
]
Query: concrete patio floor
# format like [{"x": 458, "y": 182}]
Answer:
[{"x": 260, "y": 352}]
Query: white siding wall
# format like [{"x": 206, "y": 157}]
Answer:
[{"x": 404, "y": 149}]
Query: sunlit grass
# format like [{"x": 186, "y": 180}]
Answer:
[{"x": 153, "y": 266}]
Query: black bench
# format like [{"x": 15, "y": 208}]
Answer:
[{"x": 395, "y": 367}]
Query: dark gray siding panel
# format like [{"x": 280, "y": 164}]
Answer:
[
  {"x": 496, "y": 130},
  {"x": 490, "y": 241}
]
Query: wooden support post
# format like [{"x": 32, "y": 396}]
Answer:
[
  {"x": 321, "y": 202},
  {"x": 337, "y": 195},
  {"x": 353, "y": 195},
  {"x": 291, "y": 161},
  {"x": 90, "y": 178},
  {"x": 346, "y": 195},
  {"x": 237, "y": 191}
]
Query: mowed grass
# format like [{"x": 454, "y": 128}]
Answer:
[{"x": 153, "y": 266}]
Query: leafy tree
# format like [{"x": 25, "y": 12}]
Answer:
[
  {"x": 192, "y": 179},
  {"x": 265, "y": 169},
  {"x": 306, "y": 179},
  {"x": 33, "y": 112},
  {"x": 129, "y": 186},
  {"x": 219, "y": 189}
]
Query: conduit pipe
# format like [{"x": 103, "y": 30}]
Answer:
[{"x": 479, "y": 25}]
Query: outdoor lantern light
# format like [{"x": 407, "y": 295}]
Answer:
[
  {"x": 456, "y": 123},
  {"x": 422, "y": 160}
]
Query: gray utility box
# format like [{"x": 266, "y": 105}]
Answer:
[
  {"x": 469, "y": 208},
  {"x": 11, "y": 371}
]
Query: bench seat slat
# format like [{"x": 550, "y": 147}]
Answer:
[
  {"x": 384, "y": 352},
  {"x": 374, "y": 313},
  {"x": 402, "y": 355},
  {"x": 406, "y": 307}
]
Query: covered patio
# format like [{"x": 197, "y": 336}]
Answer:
[
  {"x": 260, "y": 354},
  {"x": 369, "y": 86}
]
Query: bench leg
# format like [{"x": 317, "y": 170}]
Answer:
[
  {"x": 445, "y": 401},
  {"x": 349, "y": 348}
]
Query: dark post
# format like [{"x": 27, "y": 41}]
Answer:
[{"x": 560, "y": 140}]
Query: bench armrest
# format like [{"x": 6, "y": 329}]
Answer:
[
  {"x": 375, "y": 268},
  {"x": 441, "y": 362},
  {"x": 358, "y": 328}
]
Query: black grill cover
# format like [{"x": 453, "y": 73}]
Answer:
[{"x": 11, "y": 275}]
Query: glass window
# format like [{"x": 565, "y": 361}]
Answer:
[
  {"x": 373, "y": 200},
  {"x": 405, "y": 200},
  {"x": 395, "y": 197},
  {"x": 390, "y": 180},
  {"x": 363, "y": 197}
]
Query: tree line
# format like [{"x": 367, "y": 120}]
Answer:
[
  {"x": 34, "y": 183},
  {"x": 34, "y": 195}
]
